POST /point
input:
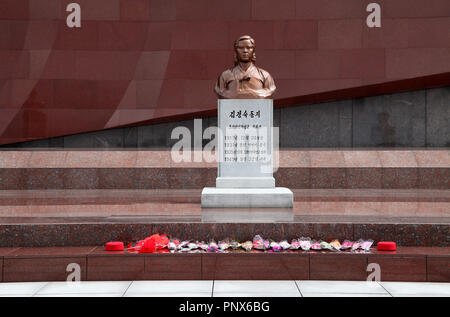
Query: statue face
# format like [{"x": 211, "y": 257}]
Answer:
[{"x": 245, "y": 50}]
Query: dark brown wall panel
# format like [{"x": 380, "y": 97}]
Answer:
[{"x": 142, "y": 60}]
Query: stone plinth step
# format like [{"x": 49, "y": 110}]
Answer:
[
  {"x": 414, "y": 264},
  {"x": 301, "y": 169},
  {"x": 89, "y": 217},
  {"x": 278, "y": 197}
]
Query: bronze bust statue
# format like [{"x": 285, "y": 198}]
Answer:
[{"x": 245, "y": 80}]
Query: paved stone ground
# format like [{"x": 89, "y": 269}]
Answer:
[{"x": 225, "y": 289}]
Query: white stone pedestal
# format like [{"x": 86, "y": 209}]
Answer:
[
  {"x": 277, "y": 197},
  {"x": 245, "y": 153},
  {"x": 245, "y": 182},
  {"x": 247, "y": 215}
]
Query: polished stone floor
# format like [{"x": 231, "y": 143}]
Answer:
[{"x": 226, "y": 289}]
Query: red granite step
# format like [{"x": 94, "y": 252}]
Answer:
[
  {"x": 88, "y": 217},
  {"x": 172, "y": 202},
  {"x": 417, "y": 264},
  {"x": 315, "y": 169}
]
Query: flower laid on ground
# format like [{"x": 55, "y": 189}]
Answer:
[{"x": 161, "y": 243}]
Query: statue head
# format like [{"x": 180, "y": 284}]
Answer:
[
  {"x": 245, "y": 81},
  {"x": 244, "y": 50}
]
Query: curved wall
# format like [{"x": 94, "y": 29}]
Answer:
[{"x": 138, "y": 60}]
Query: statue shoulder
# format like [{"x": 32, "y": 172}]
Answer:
[
  {"x": 264, "y": 72},
  {"x": 227, "y": 73}
]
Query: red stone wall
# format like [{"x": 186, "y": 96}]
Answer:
[{"x": 135, "y": 60}]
